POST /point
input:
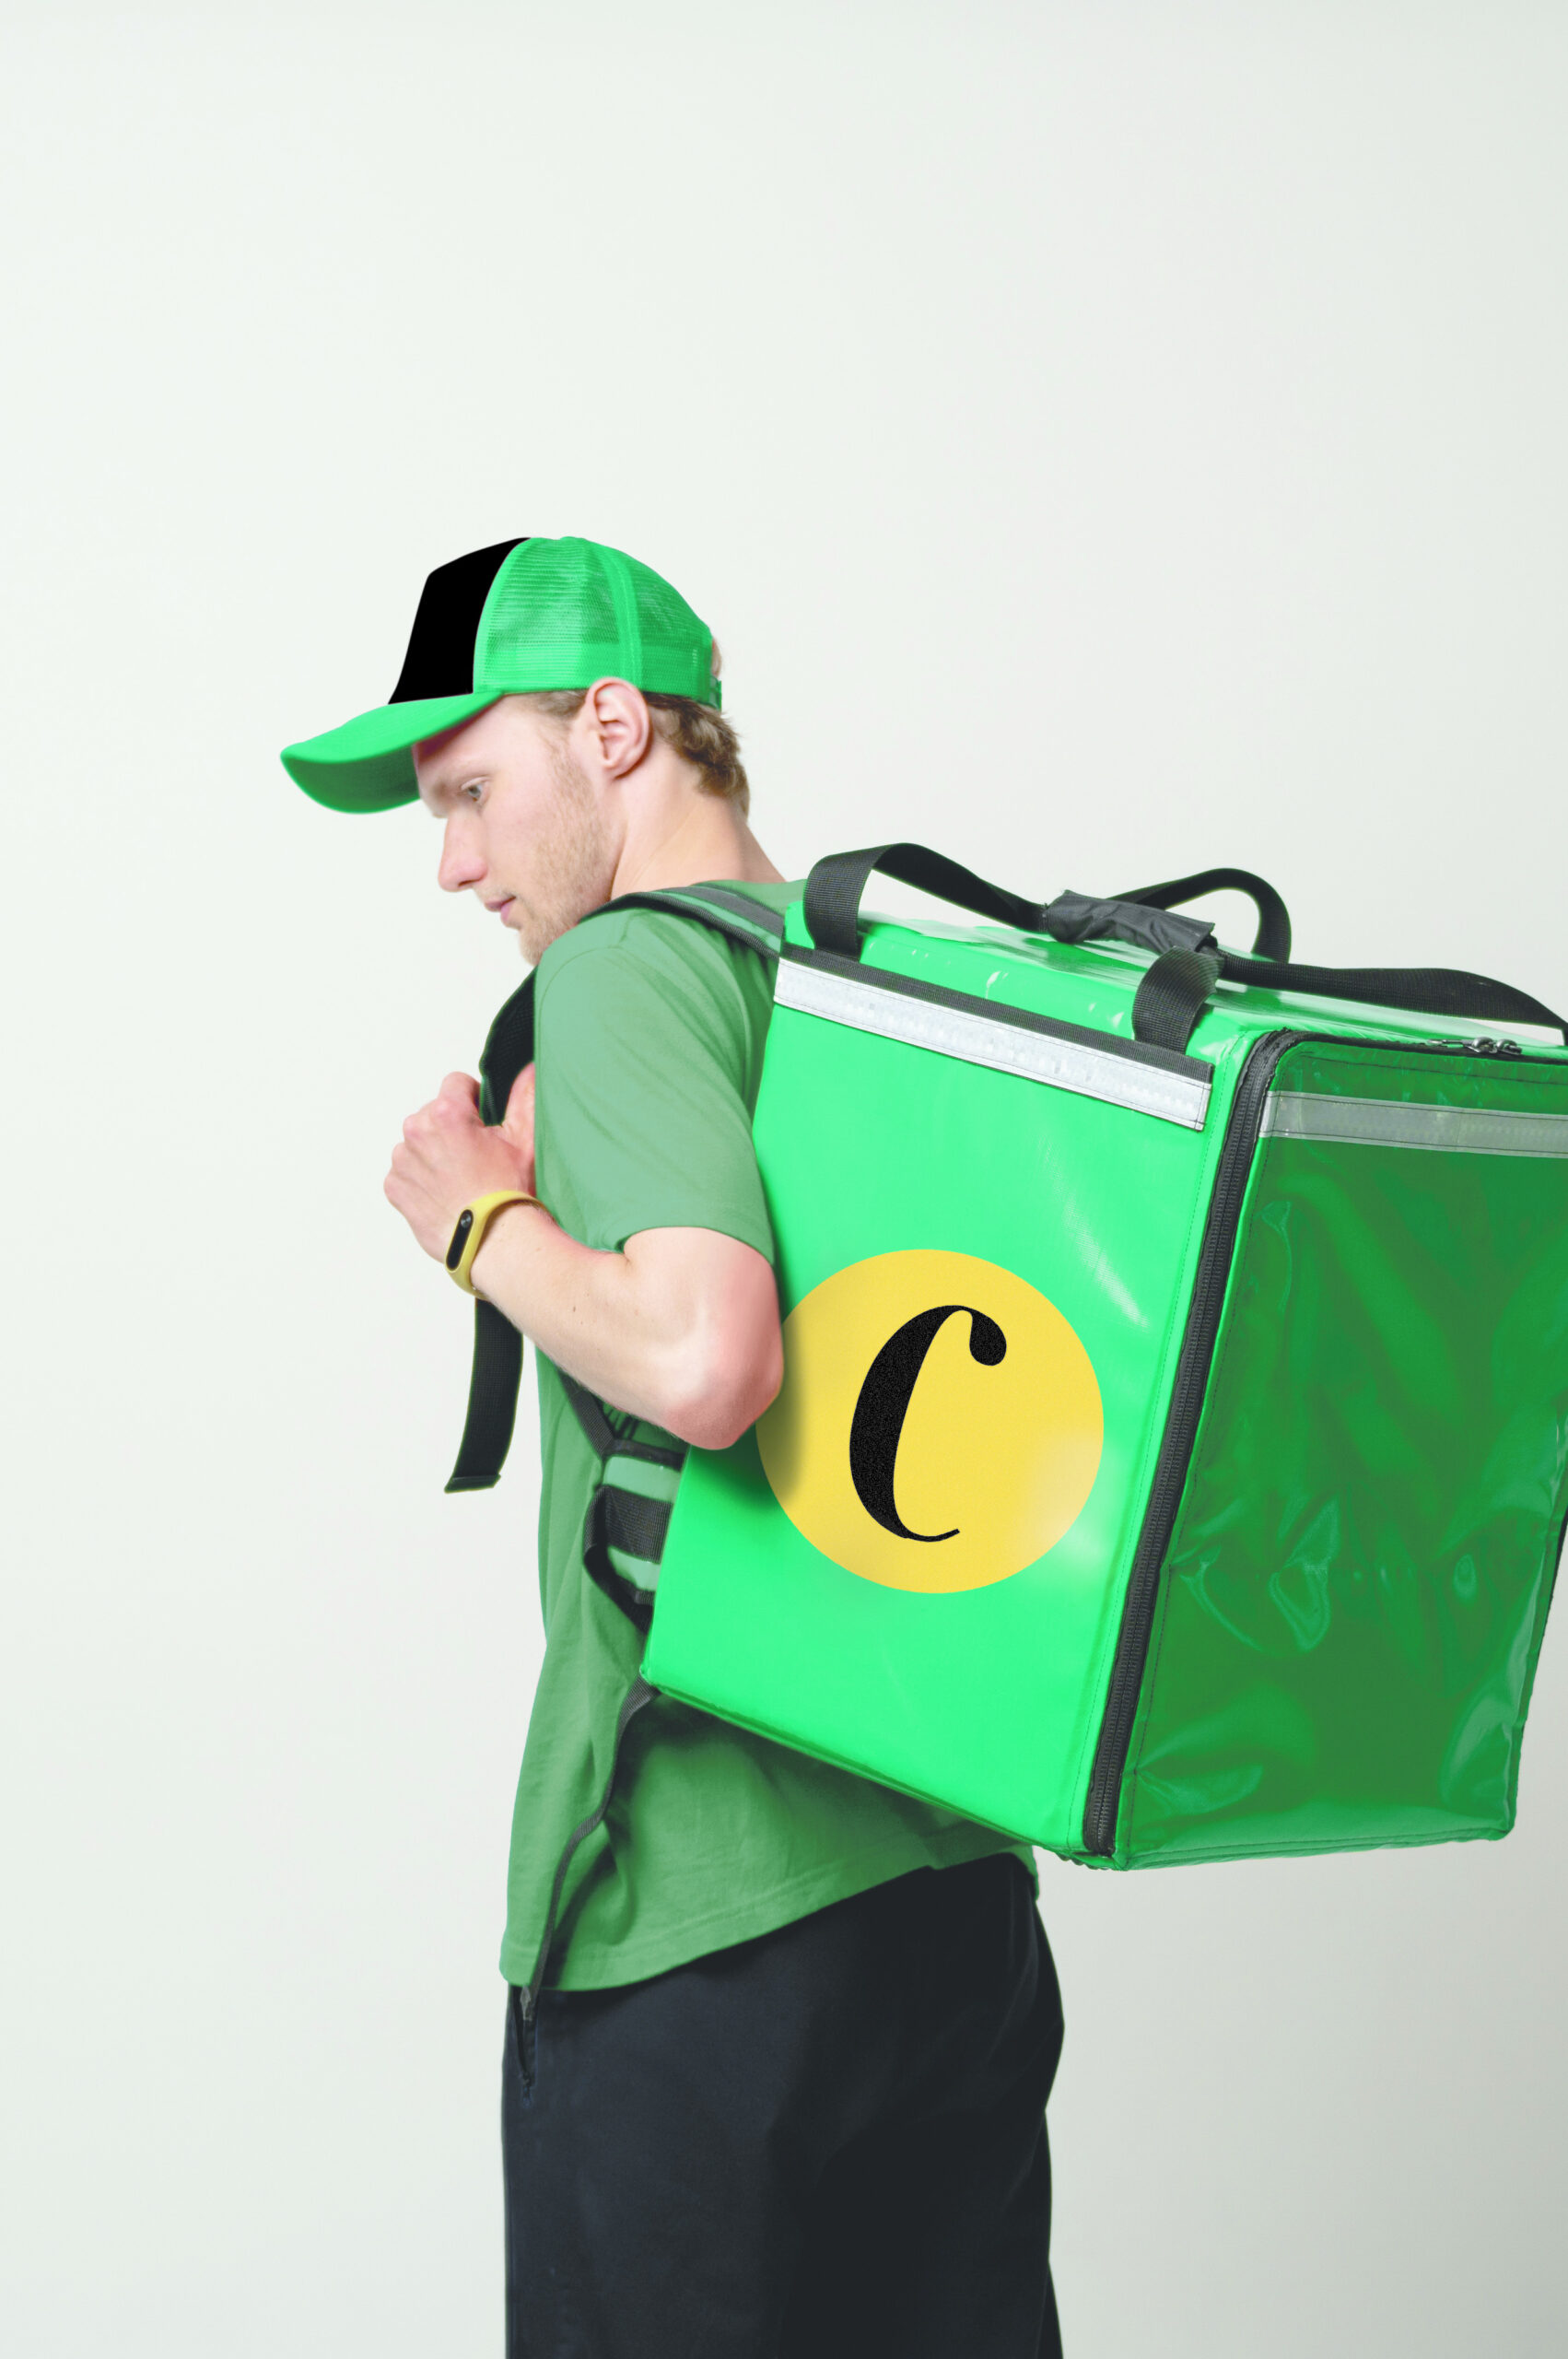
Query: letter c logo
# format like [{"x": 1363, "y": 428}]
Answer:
[
  {"x": 877, "y": 1427},
  {"x": 939, "y": 1425}
]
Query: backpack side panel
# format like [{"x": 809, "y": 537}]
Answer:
[{"x": 1356, "y": 1588}]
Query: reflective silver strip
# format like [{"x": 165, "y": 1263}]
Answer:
[
  {"x": 1006, "y": 1048},
  {"x": 1374, "y": 1122}
]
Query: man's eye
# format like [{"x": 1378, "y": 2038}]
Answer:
[{"x": 474, "y": 790}]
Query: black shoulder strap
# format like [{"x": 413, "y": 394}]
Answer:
[
  {"x": 725, "y": 908},
  {"x": 498, "y": 1346}
]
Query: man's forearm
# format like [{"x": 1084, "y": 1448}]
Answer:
[
  {"x": 680, "y": 1327},
  {"x": 653, "y": 1328},
  {"x": 576, "y": 1305}
]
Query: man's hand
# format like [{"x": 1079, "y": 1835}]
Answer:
[
  {"x": 681, "y": 1326},
  {"x": 448, "y": 1157}
]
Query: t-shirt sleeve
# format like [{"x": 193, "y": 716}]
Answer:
[{"x": 648, "y": 1041}]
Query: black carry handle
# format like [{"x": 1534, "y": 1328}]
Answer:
[
  {"x": 831, "y": 903},
  {"x": 1174, "y": 992},
  {"x": 1074, "y": 917},
  {"x": 1188, "y": 962},
  {"x": 1273, "y": 937}
]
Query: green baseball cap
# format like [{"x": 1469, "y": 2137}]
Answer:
[{"x": 518, "y": 615}]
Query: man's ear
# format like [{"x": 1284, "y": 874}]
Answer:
[{"x": 618, "y": 726}]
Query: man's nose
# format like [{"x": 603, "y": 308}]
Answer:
[{"x": 462, "y": 864}]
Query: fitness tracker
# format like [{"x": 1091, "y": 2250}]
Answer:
[{"x": 472, "y": 1223}]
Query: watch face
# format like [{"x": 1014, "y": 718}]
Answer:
[{"x": 459, "y": 1239}]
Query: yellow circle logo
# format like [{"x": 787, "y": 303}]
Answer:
[{"x": 939, "y": 1425}]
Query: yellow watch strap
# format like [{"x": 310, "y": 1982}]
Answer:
[{"x": 469, "y": 1233}]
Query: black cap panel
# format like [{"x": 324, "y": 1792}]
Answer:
[{"x": 439, "y": 661}]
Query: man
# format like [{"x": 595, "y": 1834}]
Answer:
[{"x": 778, "y": 2039}]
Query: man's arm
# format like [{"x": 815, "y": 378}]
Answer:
[{"x": 680, "y": 1327}]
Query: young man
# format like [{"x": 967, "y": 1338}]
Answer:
[{"x": 778, "y": 2047}]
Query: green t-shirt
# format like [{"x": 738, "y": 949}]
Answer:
[{"x": 648, "y": 1037}]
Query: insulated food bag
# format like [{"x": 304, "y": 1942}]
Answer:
[{"x": 1171, "y": 1462}]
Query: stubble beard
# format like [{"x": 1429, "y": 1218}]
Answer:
[{"x": 572, "y": 866}]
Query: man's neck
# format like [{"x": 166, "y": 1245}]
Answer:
[{"x": 690, "y": 838}]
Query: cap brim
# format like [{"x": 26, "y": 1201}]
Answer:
[{"x": 367, "y": 764}]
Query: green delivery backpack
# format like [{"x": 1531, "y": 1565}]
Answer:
[{"x": 1172, "y": 1457}]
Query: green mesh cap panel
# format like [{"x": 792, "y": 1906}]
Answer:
[
  {"x": 558, "y": 615},
  {"x": 563, "y": 614}
]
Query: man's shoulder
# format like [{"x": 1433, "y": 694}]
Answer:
[{"x": 620, "y": 948}]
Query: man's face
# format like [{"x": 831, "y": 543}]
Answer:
[{"x": 524, "y": 828}]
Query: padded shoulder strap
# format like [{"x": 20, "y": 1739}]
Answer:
[
  {"x": 727, "y": 909},
  {"x": 498, "y": 1346}
]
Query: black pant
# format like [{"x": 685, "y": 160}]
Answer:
[{"x": 825, "y": 2143}]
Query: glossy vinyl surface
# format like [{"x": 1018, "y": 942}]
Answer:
[
  {"x": 985, "y": 1695},
  {"x": 1355, "y": 1593},
  {"x": 1344, "y": 1636}
]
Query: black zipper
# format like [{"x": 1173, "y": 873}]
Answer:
[
  {"x": 1482, "y": 1047},
  {"x": 1215, "y": 1256},
  {"x": 638, "y": 1695}
]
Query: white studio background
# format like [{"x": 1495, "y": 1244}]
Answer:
[{"x": 1106, "y": 440}]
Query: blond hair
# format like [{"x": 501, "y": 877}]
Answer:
[{"x": 698, "y": 732}]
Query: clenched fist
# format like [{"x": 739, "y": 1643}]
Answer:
[{"x": 448, "y": 1157}]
